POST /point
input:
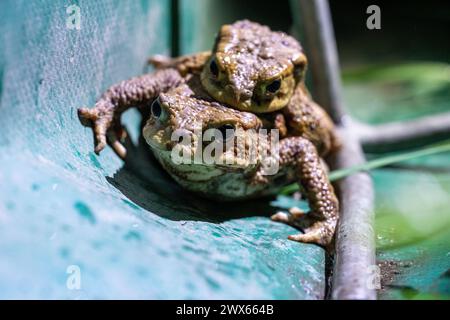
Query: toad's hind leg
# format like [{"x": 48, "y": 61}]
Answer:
[
  {"x": 319, "y": 224},
  {"x": 192, "y": 63},
  {"x": 307, "y": 119}
]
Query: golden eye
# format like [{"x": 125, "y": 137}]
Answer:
[{"x": 274, "y": 86}]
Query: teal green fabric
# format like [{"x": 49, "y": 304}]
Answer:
[{"x": 128, "y": 229}]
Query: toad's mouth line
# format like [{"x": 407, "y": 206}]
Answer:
[{"x": 167, "y": 157}]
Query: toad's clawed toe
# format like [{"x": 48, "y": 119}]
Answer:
[
  {"x": 309, "y": 237},
  {"x": 316, "y": 230},
  {"x": 296, "y": 218},
  {"x": 320, "y": 233},
  {"x": 280, "y": 217}
]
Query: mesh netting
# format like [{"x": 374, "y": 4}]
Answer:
[{"x": 129, "y": 229}]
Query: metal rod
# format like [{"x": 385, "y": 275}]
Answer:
[
  {"x": 404, "y": 134},
  {"x": 322, "y": 56},
  {"x": 355, "y": 239},
  {"x": 354, "y": 265}
]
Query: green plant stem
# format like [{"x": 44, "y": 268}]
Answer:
[{"x": 381, "y": 162}]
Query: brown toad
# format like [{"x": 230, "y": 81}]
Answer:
[{"x": 231, "y": 173}]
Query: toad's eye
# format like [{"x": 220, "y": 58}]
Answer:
[
  {"x": 226, "y": 132},
  {"x": 158, "y": 111},
  {"x": 214, "y": 68},
  {"x": 274, "y": 86}
]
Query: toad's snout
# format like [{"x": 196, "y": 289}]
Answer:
[{"x": 238, "y": 94}]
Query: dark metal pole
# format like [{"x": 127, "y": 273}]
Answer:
[
  {"x": 354, "y": 265},
  {"x": 395, "y": 136},
  {"x": 322, "y": 56}
]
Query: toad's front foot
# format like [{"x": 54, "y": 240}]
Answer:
[
  {"x": 140, "y": 91},
  {"x": 315, "y": 230},
  {"x": 105, "y": 127},
  {"x": 319, "y": 225}
]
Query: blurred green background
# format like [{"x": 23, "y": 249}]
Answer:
[{"x": 132, "y": 231}]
